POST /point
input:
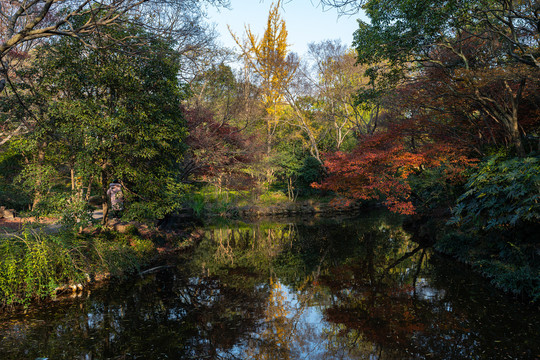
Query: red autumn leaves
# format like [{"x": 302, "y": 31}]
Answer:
[{"x": 378, "y": 168}]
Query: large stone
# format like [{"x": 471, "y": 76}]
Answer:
[{"x": 7, "y": 213}]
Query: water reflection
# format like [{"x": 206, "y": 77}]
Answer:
[{"x": 357, "y": 289}]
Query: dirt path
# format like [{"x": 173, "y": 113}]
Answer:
[{"x": 13, "y": 226}]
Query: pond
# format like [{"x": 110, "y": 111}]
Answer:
[{"x": 306, "y": 289}]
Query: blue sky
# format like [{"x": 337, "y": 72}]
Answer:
[{"x": 306, "y": 22}]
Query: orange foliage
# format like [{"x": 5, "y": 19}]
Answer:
[{"x": 380, "y": 165}]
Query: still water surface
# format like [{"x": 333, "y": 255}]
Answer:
[{"x": 314, "y": 289}]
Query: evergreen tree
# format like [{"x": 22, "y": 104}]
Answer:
[{"x": 107, "y": 113}]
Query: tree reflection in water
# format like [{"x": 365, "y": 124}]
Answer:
[{"x": 357, "y": 289}]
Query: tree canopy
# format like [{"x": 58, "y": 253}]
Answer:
[{"x": 105, "y": 115}]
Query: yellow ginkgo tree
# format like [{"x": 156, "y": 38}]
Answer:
[{"x": 269, "y": 59}]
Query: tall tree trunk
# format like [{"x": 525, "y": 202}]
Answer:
[
  {"x": 104, "y": 197},
  {"x": 515, "y": 135},
  {"x": 72, "y": 173},
  {"x": 513, "y": 118}
]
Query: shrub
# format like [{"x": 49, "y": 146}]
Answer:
[
  {"x": 11, "y": 196},
  {"x": 501, "y": 193},
  {"x": 431, "y": 191},
  {"x": 33, "y": 264},
  {"x": 311, "y": 171},
  {"x": 497, "y": 224}
]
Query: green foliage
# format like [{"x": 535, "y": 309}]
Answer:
[
  {"x": 11, "y": 195},
  {"x": 75, "y": 212},
  {"x": 272, "y": 198},
  {"x": 287, "y": 159},
  {"x": 403, "y": 25},
  {"x": 501, "y": 193},
  {"x": 294, "y": 164},
  {"x": 160, "y": 201},
  {"x": 210, "y": 199},
  {"x": 118, "y": 255},
  {"x": 286, "y": 156},
  {"x": 431, "y": 191},
  {"x": 33, "y": 265},
  {"x": 311, "y": 171},
  {"x": 106, "y": 112},
  {"x": 497, "y": 219},
  {"x": 197, "y": 203}
]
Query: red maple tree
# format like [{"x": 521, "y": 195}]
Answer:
[{"x": 378, "y": 168}]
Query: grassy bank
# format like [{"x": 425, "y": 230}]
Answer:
[
  {"x": 33, "y": 265},
  {"x": 209, "y": 201}
]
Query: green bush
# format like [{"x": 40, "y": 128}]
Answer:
[
  {"x": 501, "y": 193},
  {"x": 270, "y": 198},
  {"x": 11, "y": 196},
  {"x": 33, "y": 265},
  {"x": 210, "y": 199},
  {"x": 114, "y": 257},
  {"x": 311, "y": 171},
  {"x": 431, "y": 192},
  {"x": 497, "y": 224}
]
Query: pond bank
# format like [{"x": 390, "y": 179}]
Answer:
[
  {"x": 308, "y": 207},
  {"x": 259, "y": 211},
  {"x": 37, "y": 265},
  {"x": 134, "y": 247}
]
